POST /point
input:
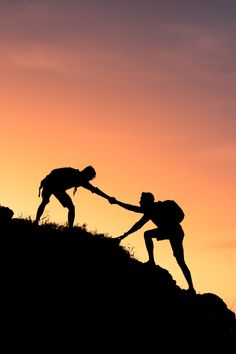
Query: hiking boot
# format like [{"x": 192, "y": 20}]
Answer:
[
  {"x": 150, "y": 263},
  {"x": 190, "y": 291}
]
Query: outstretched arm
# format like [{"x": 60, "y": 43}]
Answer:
[
  {"x": 130, "y": 207},
  {"x": 96, "y": 190},
  {"x": 135, "y": 227}
]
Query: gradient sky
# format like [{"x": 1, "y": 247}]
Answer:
[{"x": 143, "y": 90}]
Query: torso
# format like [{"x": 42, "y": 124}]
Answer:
[
  {"x": 155, "y": 215},
  {"x": 62, "y": 179}
]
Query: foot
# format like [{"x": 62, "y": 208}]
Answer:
[
  {"x": 150, "y": 263},
  {"x": 116, "y": 240},
  {"x": 119, "y": 239},
  {"x": 191, "y": 291}
]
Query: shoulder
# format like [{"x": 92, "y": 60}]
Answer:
[
  {"x": 68, "y": 170},
  {"x": 61, "y": 169},
  {"x": 64, "y": 172}
]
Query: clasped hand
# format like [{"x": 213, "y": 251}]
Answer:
[{"x": 112, "y": 200}]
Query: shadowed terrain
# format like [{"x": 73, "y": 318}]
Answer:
[{"x": 64, "y": 286}]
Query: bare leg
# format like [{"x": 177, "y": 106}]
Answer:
[
  {"x": 45, "y": 201},
  {"x": 66, "y": 201},
  {"x": 71, "y": 215},
  {"x": 40, "y": 211},
  {"x": 178, "y": 251},
  {"x": 148, "y": 236},
  {"x": 186, "y": 272}
]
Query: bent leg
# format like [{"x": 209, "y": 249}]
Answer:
[
  {"x": 178, "y": 251},
  {"x": 148, "y": 236},
  {"x": 66, "y": 202},
  {"x": 45, "y": 200}
]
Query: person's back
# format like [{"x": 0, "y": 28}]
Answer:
[
  {"x": 62, "y": 179},
  {"x": 165, "y": 214}
]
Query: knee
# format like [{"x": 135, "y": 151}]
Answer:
[{"x": 44, "y": 202}]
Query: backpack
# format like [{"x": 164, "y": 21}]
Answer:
[
  {"x": 170, "y": 212},
  {"x": 65, "y": 177}
]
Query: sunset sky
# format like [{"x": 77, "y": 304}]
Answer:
[{"x": 142, "y": 90}]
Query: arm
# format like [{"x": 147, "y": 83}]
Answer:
[
  {"x": 96, "y": 190},
  {"x": 135, "y": 227},
  {"x": 130, "y": 207}
]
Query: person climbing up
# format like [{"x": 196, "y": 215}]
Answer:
[
  {"x": 61, "y": 179},
  {"x": 166, "y": 215}
]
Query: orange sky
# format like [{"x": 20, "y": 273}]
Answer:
[{"x": 146, "y": 94}]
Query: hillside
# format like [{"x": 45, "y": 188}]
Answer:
[{"x": 85, "y": 288}]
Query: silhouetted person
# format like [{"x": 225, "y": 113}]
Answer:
[
  {"x": 166, "y": 230},
  {"x": 61, "y": 179}
]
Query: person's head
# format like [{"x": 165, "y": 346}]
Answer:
[
  {"x": 146, "y": 199},
  {"x": 89, "y": 173}
]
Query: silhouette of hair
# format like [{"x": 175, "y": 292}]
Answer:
[
  {"x": 89, "y": 172},
  {"x": 147, "y": 197}
]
